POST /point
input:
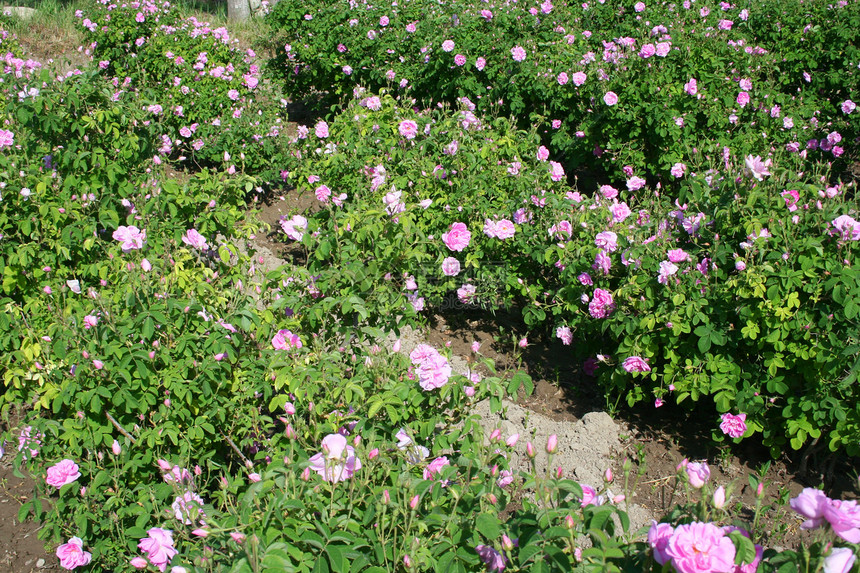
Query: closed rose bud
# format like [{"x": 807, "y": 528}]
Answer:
[
  {"x": 98, "y": 364},
  {"x": 165, "y": 465},
  {"x": 237, "y": 536},
  {"x": 495, "y": 435},
  {"x": 760, "y": 489},
  {"x": 494, "y": 471},
  {"x": 559, "y": 472},
  {"x": 720, "y": 497},
  {"x": 224, "y": 482},
  {"x": 407, "y": 561},
  {"x": 197, "y": 470},
  {"x": 530, "y": 450},
  {"x": 290, "y": 408},
  {"x": 552, "y": 444},
  {"x": 568, "y": 521},
  {"x": 373, "y": 453},
  {"x": 413, "y": 503},
  {"x": 396, "y": 347},
  {"x": 306, "y": 474},
  {"x": 200, "y": 532},
  {"x": 290, "y": 432},
  {"x": 356, "y": 440},
  {"x": 254, "y": 477},
  {"x": 116, "y": 448},
  {"x": 151, "y": 354},
  {"x": 618, "y": 498},
  {"x": 493, "y": 499},
  {"x": 608, "y": 476},
  {"x": 507, "y": 544},
  {"x": 83, "y": 491},
  {"x": 512, "y": 440},
  {"x": 386, "y": 497}
]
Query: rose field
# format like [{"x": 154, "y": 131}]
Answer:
[{"x": 226, "y": 251}]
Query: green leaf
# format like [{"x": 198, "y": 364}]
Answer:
[
  {"x": 336, "y": 558},
  {"x": 489, "y": 526}
]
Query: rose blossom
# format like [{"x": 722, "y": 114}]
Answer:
[
  {"x": 699, "y": 547},
  {"x": 610, "y": 98},
  {"x": 450, "y": 267},
  {"x": 337, "y": 462},
  {"x": 285, "y": 339},
  {"x": 62, "y": 473},
  {"x": 733, "y": 426},
  {"x": 457, "y": 239},
  {"x": 158, "y": 547},
  {"x": 635, "y": 364},
  {"x": 194, "y": 239},
  {"x": 72, "y": 554},
  {"x": 408, "y": 129},
  {"x": 698, "y": 474},
  {"x": 658, "y": 538}
]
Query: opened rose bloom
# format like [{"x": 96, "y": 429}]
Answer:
[
  {"x": 700, "y": 547},
  {"x": 72, "y": 554},
  {"x": 158, "y": 547},
  {"x": 636, "y": 364},
  {"x": 337, "y": 461},
  {"x": 733, "y": 426},
  {"x": 62, "y": 473},
  {"x": 457, "y": 238}
]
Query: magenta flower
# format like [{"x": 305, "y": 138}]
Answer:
[
  {"x": 158, "y": 547},
  {"x": 678, "y": 255},
  {"x": 556, "y": 171},
  {"x": 448, "y": 46},
  {"x": 578, "y": 78},
  {"x": 518, "y": 53},
  {"x": 847, "y": 107},
  {"x": 460, "y": 60},
  {"x": 701, "y": 548},
  {"x": 635, "y": 183},
  {"x": 733, "y": 426},
  {"x": 285, "y": 339},
  {"x": 589, "y": 496},
  {"x": 72, "y": 554},
  {"x": 610, "y": 98},
  {"x": 408, "y": 129},
  {"x": 194, "y": 239},
  {"x": 678, "y": 170},
  {"x": 62, "y": 473},
  {"x": 635, "y": 364},
  {"x": 450, "y": 267},
  {"x": 601, "y": 304},
  {"x": 435, "y": 467},
  {"x": 337, "y": 462},
  {"x": 562, "y": 78},
  {"x": 743, "y": 99},
  {"x": 457, "y": 238},
  {"x": 131, "y": 238},
  {"x": 658, "y": 538}
]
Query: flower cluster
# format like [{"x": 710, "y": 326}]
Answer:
[
  {"x": 432, "y": 368},
  {"x": 818, "y": 509}
]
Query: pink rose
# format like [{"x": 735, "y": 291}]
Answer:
[
  {"x": 337, "y": 462},
  {"x": 435, "y": 467},
  {"x": 810, "y": 503},
  {"x": 194, "y": 239},
  {"x": 62, "y": 473},
  {"x": 158, "y": 547},
  {"x": 450, "y": 267},
  {"x": 457, "y": 238},
  {"x": 408, "y": 129},
  {"x": 698, "y": 474},
  {"x": 733, "y": 426},
  {"x": 658, "y": 538},
  {"x": 636, "y": 364},
  {"x": 285, "y": 339},
  {"x": 610, "y": 98},
  {"x": 840, "y": 560},
  {"x": 697, "y": 547},
  {"x": 72, "y": 554}
]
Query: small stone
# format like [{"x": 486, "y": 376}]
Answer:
[{"x": 40, "y": 563}]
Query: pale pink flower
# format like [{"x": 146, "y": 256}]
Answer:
[
  {"x": 131, "y": 237},
  {"x": 321, "y": 129},
  {"x": 295, "y": 227},
  {"x": 72, "y": 554},
  {"x": 564, "y": 334},
  {"x": 848, "y": 229},
  {"x": 7, "y": 138},
  {"x": 337, "y": 461},
  {"x": 756, "y": 167},
  {"x": 678, "y": 170},
  {"x": 635, "y": 183},
  {"x": 699, "y": 548},
  {"x": 698, "y": 473},
  {"x": 450, "y": 267},
  {"x": 194, "y": 239},
  {"x": 839, "y": 560},
  {"x": 810, "y": 503},
  {"x": 448, "y": 46},
  {"x": 610, "y": 98},
  {"x": 188, "y": 508},
  {"x": 607, "y": 240},
  {"x": 505, "y": 229},
  {"x": 601, "y": 304},
  {"x": 556, "y": 171},
  {"x": 578, "y": 78},
  {"x": 518, "y": 53},
  {"x": 678, "y": 255},
  {"x": 408, "y": 129},
  {"x": 158, "y": 547},
  {"x": 847, "y": 107},
  {"x": 62, "y": 473},
  {"x": 844, "y": 519},
  {"x": 457, "y": 238},
  {"x": 743, "y": 99},
  {"x": 466, "y": 293}
]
